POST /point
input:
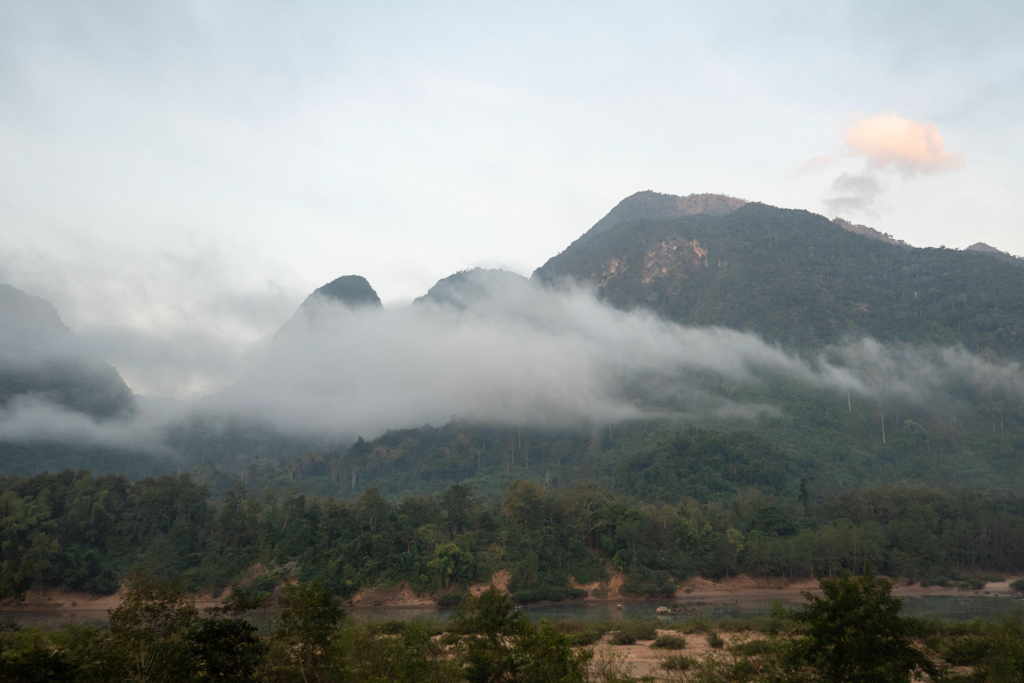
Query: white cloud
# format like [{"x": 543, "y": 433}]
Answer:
[
  {"x": 886, "y": 144},
  {"x": 891, "y": 141}
]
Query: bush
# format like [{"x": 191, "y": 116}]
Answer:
[
  {"x": 391, "y": 627},
  {"x": 587, "y": 637},
  {"x": 623, "y": 638},
  {"x": 1017, "y": 585},
  {"x": 715, "y": 640},
  {"x": 751, "y": 648},
  {"x": 647, "y": 583},
  {"x": 631, "y": 631},
  {"x": 548, "y": 593},
  {"x": 679, "y": 663},
  {"x": 936, "y": 581},
  {"x": 669, "y": 642},
  {"x": 965, "y": 651},
  {"x": 582, "y": 632},
  {"x": 449, "y": 599}
]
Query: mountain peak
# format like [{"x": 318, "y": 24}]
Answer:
[
  {"x": 41, "y": 358},
  {"x": 865, "y": 231},
  {"x": 658, "y": 206},
  {"x": 984, "y": 248},
  {"x": 353, "y": 291},
  {"x": 465, "y": 287}
]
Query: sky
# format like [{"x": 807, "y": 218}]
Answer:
[{"x": 176, "y": 177}]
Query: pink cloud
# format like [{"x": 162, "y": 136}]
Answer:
[{"x": 910, "y": 147}]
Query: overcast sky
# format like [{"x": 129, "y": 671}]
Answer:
[{"x": 175, "y": 177}]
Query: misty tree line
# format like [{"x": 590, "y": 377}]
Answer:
[{"x": 87, "y": 533}]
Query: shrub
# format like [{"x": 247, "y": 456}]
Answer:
[
  {"x": 631, "y": 631},
  {"x": 715, "y": 640},
  {"x": 449, "y": 599},
  {"x": 649, "y": 583},
  {"x": 549, "y": 593},
  {"x": 669, "y": 642},
  {"x": 623, "y": 638},
  {"x": 582, "y": 632},
  {"x": 1017, "y": 585},
  {"x": 751, "y": 648},
  {"x": 964, "y": 651},
  {"x": 587, "y": 637},
  {"x": 936, "y": 581},
  {"x": 392, "y": 627},
  {"x": 678, "y": 663}
]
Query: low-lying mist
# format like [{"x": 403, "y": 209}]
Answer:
[{"x": 522, "y": 354}]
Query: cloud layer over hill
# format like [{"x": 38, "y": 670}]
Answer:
[{"x": 527, "y": 355}]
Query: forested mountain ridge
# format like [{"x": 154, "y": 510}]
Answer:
[{"x": 797, "y": 278}]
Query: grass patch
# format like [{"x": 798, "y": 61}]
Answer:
[
  {"x": 669, "y": 642},
  {"x": 679, "y": 663}
]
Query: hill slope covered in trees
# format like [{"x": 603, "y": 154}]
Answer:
[{"x": 797, "y": 278}]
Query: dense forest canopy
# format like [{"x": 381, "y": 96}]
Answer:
[{"x": 88, "y": 533}]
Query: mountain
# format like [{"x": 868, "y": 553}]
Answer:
[
  {"x": 982, "y": 248},
  {"x": 350, "y": 291},
  {"x": 40, "y": 358},
  {"x": 865, "y": 231},
  {"x": 353, "y": 291},
  {"x": 797, "y": 278},
  {"x": 654, "y": 205},
  {"x": 467, "y": 287}
]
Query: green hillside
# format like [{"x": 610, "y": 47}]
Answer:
[{"x": 797, "y": 278}]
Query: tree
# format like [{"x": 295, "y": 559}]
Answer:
[
  {"x": 150, "y": 629},
  {"x": 451, "y": 562},
  {"x": 523, "y": 504},
  {"x": 309, "y": 622},
  {"x": 491, "y": 630},
  {"x": 499, "y": 644},
  {"x": 227, "y": 649},
  {"x": 854, "y": 633},
  {"x": 1004, "y": 660}
]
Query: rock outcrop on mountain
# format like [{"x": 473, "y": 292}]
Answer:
[{"x": 41, "y": 359}]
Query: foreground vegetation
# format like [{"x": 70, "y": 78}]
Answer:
[{"x": 852, "y": 633}]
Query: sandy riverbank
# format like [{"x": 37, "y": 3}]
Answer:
[{"x": 51, "y": 604}]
